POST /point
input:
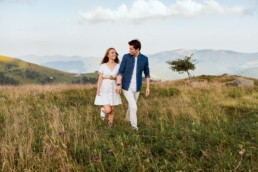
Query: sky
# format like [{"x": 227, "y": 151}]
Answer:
[{"x": 88, "y": 28}]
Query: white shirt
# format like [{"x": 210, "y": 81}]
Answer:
[{"x": 133, "y": 80}]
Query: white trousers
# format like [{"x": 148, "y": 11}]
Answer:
[{"x": 131, "y": 114}]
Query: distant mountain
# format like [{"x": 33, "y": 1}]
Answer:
[
  {"x": 75, "y": 66},
  {"x": 250, "y": 72},
  {"x": 15, "y": 71},
  {"x": 209, "y": 62}
]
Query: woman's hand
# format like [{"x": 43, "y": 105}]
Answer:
[
  {"x": 118, "y": 89},
  {"x": 98, "y": 92}
]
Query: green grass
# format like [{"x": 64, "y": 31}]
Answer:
[{"x": 57, "y": 128}]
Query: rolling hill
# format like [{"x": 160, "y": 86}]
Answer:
[{"x": 15, "y": 71}]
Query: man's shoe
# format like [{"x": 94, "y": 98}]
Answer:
[
  {"x": 127, "y": 120},
  {"x": 135, "y": 128}
]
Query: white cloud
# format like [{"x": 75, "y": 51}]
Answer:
[
  {"x": 151, "y": 9},
  {"x": 19, "y": 1}
]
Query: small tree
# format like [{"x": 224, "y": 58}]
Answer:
[{"x": 183, "y": 65}]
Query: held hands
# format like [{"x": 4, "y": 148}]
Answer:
[{"x": 118, "y": 89}]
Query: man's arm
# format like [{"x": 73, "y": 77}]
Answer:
[
  {"x": 121, "y": 69},
  {"x": 147, "y": 76},
  {"x": 119, "y": 79},
  {"x": 119, "y": 84},
  {"x": 120, "y": 75},
  {"x": 147, "y": 87}
]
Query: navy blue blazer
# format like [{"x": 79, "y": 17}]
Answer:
[{"x": 126, "y": 70}]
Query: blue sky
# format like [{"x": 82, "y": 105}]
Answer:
[{"x": 88, "y": 28}]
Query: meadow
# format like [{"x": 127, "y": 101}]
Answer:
[{"x": 210, "y": 127}]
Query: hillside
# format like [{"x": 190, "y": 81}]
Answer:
[
  {"x": 219, "y": 79},
  {"x": 15, "y": 71},
  {"x": 206, "y": 127}
]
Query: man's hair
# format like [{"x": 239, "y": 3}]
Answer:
[{"x": 135, "y": 43}]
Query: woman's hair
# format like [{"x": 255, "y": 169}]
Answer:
[
  {"x": 106, "y": 59},
  {"x": 135, "y": 43}
]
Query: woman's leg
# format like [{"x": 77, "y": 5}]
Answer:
[
  {"x": 106, "y": 109},
  {"x": 111, "y": 115}
]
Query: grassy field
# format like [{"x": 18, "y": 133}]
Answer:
[{"x": 57, "y": 128}]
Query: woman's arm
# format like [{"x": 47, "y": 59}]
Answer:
[{"x": 99, "y": 82}]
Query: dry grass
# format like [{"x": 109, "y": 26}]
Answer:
[{"x": 57, "y": 128}]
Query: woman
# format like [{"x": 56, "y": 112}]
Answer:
[{"x": 106, "y": 92}]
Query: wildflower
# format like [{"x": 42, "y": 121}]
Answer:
[
  {"x": 242, "y": 151},
  {"x": 96, "y": 159},
  {"x": 61, "y": 133}
]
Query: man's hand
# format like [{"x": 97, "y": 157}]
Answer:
[
  {"x": 147, "y": 93},
  {"x": 118, "y": 89}
]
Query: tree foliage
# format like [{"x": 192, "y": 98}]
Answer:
[
  {"x": 6, "y": 80},
  {"x": 183, "y": 65},
  {"x": 32, "y": 74},
  {"x": 85, "y": 80},
  {"x": 47, "y": 80}
]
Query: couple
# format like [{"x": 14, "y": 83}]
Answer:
[{"x": 127, "y": 77}]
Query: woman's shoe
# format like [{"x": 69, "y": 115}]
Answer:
[
  {"x": 110, "y": 125},
  {"x": 102, "y": 114}
]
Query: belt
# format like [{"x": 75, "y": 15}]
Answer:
[{"x": 111, "y": 78}]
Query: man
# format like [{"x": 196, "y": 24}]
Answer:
[{"x": 129, "y": 79}]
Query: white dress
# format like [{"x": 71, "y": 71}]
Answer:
[{"x": 108, "y": 94}]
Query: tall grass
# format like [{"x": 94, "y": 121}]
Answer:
[{"x": 57, "y": 128}]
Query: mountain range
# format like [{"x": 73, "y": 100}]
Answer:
[{"x": 209, "y": 62}]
